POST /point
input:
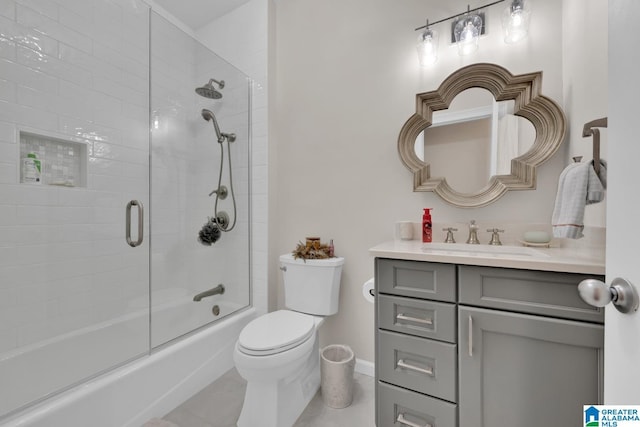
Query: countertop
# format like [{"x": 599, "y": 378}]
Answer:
[{"x": 586, "y": 260}]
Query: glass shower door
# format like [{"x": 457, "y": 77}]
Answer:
[
  {"x": 185, "y": 170},
  {"x": 74, "y": 144}
]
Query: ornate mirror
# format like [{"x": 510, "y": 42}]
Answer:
[{"x": 482, "y": 132}]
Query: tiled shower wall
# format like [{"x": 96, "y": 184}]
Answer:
[
  {"x": 241, "y": 37},
  {"x": 185, "y": 166},
  {"x": 74, "y": 70}
]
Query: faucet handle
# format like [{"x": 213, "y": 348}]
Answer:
[
  {"x": 495, "y": 237},
  {"x": 449, "y": 231}
]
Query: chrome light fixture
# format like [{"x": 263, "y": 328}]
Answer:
[
  {"x": 515, "y": 21},
  {"x": 428, "y": 46},
  {"x": 466, "y": 31},
  {"x": 470, "y": 25}
]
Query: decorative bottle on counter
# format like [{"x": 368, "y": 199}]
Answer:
[{"x": 426, "y": 226}]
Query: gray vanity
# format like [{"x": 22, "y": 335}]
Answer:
[{"x": 472, "y": 343}]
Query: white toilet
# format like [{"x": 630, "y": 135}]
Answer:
[{"x": 278, "y": 353}]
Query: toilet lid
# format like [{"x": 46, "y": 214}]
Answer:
[{"x": 276, "y": 332}]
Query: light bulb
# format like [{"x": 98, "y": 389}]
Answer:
[
  {"x": 428, "y": 47},
  {"x": 467, "y": 32},
  {"x": 515, "y": 21}
]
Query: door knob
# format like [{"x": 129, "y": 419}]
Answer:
[{"x": 621, "y": 292}]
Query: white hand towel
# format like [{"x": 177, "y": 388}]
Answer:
[{"x": 578, "y": 186}]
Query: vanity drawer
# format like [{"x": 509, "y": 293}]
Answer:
[
  {"x": 423, "y": 318},
  {"x": 537, "y": 292},
  {"x": 416, "y": 279},
  {"x": 419, "y": 364},
  {"x": 395, "y": 405}
]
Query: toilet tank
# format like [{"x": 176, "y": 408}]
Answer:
[{"x": 311, "y": 286}]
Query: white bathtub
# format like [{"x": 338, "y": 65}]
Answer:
[{"x": 148, "y": 387}]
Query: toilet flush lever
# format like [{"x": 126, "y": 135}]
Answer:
[
  {"x": 621, "y": 293},
  {"x": 283, "y": 267}
]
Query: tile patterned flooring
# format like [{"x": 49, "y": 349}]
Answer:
[{"x": 219, "y": 405}]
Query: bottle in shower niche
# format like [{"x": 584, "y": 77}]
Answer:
[
  {"x": 427, "y": 226},
  {"x": 31, "y": 169}
]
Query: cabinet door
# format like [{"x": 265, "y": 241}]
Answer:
[{"x": 526, "y": 371}]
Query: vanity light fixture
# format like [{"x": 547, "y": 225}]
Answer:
[
  {"x": 469, "y": 26},
  {"x": 515, "y": 21},
  {"x": 428, "y": 46},
  {"x": 466, "y": 31}
]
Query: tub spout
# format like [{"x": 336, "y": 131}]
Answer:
[{"x": 218, "y": 290}]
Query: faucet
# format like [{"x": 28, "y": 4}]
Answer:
[
  {"x": 214, "y": 291},
  {"x": 473, "y": 233},
  {"x": 495, "y": 237},
  {"x": 450, "y": 238}
]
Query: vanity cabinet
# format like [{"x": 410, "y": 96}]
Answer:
[{"x": 470, "y": 346}]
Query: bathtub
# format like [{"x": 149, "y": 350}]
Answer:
[{"x": 150, "y": 386}]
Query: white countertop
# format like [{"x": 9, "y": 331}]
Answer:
[{"x": 586, "y": 260}]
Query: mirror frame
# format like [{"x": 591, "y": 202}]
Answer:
[{"x": 547, "y": 118}]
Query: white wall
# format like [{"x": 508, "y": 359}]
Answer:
[
  {"x": 585, "y": 93},
  {"x": 346, "y": 79}
]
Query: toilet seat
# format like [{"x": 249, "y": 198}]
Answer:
[{"x": 275, "y": 332}]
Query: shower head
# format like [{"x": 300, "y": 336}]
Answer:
[
  {"x": 208, "y": 91},
  {"x": 209, "y": 116}
]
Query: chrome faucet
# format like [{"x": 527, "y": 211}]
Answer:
[
  {"x": 214, "y": 291},
  {"x": 449, "y": 238},
  {"x": 495, "y": 237},
  {"x": 473, "y": 233}
]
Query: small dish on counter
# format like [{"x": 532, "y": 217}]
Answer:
[{"x": 535, "y": 245}]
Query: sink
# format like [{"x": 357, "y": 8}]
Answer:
[{"x": 463, "y": 249}]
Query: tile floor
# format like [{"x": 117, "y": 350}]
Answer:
[{"x": 219, "y": 405}]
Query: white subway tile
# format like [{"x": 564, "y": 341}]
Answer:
[
  {"x": 7, "y": 132},
  {"x": 54, "y": 67},
  {"x": 83, "y": 8},
  {"x": 7, "y": 215},
  {"x": 7, "y": 91},
  {"x": 22, "y": 75},
  {"x": 8, "y": 339},
  {"x": 53, "y": 29},
  {"x": 8, "y": 173},
  {"x": 7, "y": 49},
  {"x": 48, "y": 8},
  {"x": 8, "y": 10},
  {"x": 28, "y": 37}
]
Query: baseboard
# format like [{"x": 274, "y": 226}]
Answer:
[{"x": 365, "y": 367}]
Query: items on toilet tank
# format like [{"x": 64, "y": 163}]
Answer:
[
  {"x": 427, "y": 232},
  {"x": 313, "y": 248}
]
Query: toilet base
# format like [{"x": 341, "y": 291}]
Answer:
[{"x": 280, "y": 403}]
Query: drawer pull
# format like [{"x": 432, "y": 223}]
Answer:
[
  {"x": 402, "y": 364},
  {"x": 403, "y": 316},
  {"x": 470, "y": 336},
  {"x": 402, "y": 420}
]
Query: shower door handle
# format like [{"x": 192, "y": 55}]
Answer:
[{"x": 137, "y": 242}]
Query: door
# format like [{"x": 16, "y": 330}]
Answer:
[
  {"x": 622, "y": 331},
  {"x": 524, "y": 370}
]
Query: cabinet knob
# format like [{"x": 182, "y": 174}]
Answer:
[{"x": 621, "y": 292}]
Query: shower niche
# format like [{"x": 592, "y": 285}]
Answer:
[{"x": 47, "y": 160}]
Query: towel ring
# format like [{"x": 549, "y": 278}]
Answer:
[{"x": 590, "y": 129}]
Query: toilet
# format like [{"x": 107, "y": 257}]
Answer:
[{"x": 278, "y": 354}]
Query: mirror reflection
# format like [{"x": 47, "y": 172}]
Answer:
[{"x": 473, "y": 140}]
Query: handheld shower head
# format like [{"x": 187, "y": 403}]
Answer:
[
  {"x": 208, "y": 91},
  {"x": 209, "y": 116}
]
